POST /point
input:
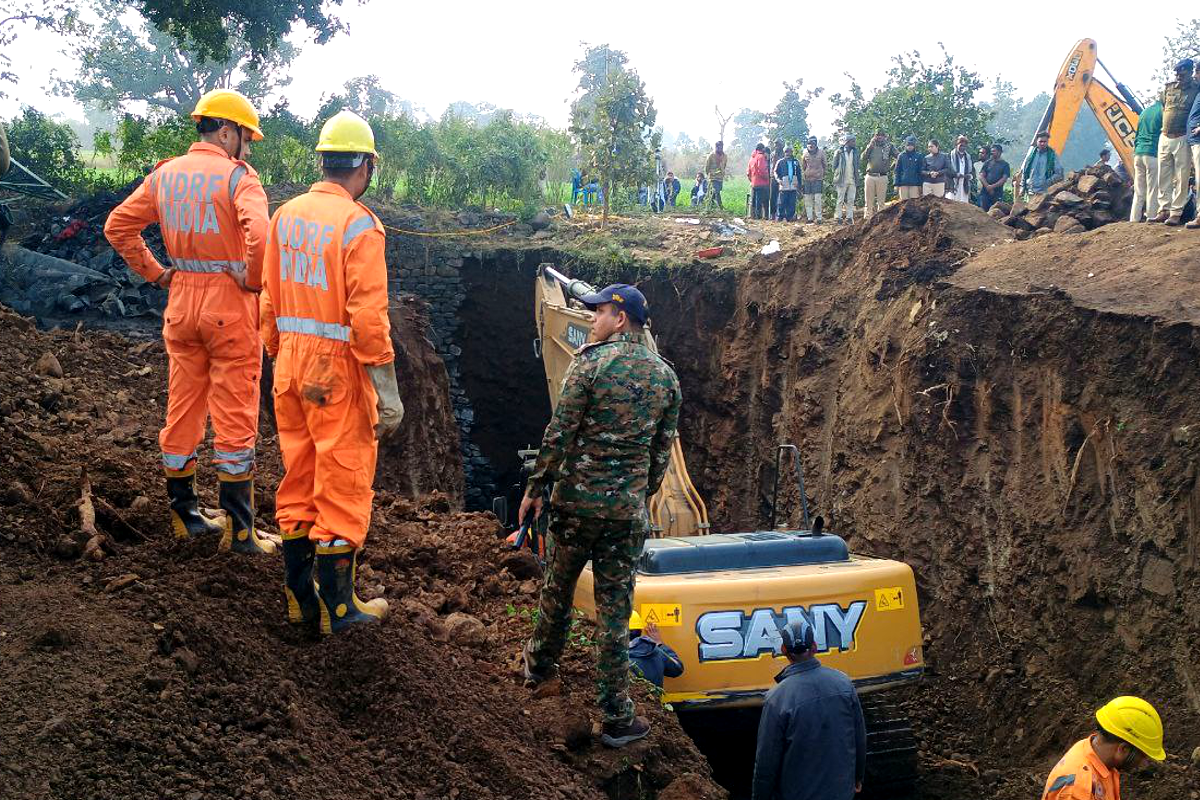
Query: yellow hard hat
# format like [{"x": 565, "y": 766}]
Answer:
[
  {"x": 635, "y": 621},
  {"x": 231, "y": 105},
  {"x": 1135, "y": 721},
  {"x": 346, "y": 132}
]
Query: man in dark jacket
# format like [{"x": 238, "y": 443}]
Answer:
[
  {"x": 812, "y": 740},
  {"x": 775, "y": 158},
  {"x": 648, "y": 656},
  {"x": 909, "y": 167},
  {"x": 787, "y": 175}
]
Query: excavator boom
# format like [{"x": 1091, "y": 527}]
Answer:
[{"x": 1077, "y": 84}]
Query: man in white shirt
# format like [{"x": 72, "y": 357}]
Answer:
[{"x": 964, "y": 172}]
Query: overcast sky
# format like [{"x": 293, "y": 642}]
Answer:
[{"x": 691, "y": 55}]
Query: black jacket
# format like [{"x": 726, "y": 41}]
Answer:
[
  {"x": 812, "y": 740},
  {"x": 909, "y": 166}
]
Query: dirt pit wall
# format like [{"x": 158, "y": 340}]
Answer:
[{"x": 1031, "y": 455}]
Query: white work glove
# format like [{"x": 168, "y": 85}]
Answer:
[{"x": 391, "y": 410}]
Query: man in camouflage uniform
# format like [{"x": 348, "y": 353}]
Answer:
[{"x": 606, "y": 451}]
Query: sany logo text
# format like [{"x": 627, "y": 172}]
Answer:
[{"x": 728, "y": 635}]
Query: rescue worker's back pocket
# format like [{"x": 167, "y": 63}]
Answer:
[{"x": 324, "y": 382}]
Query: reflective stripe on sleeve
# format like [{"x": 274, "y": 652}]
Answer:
[
  {"x": 354, "y": 229},
  {"x": 235, "y": 178},
  {"x": 1061, "y": 782},
  {"x": 312, "y": 327}
]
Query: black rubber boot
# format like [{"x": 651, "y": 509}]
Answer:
[
  {"x": 186, "y": 519},
  {"x": 299, "y": 554},
  {"x": 237, "y": 501},
  {"x": 340, "y": 606}
]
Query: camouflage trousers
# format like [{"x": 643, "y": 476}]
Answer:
[{"x": 613, "y": 547}]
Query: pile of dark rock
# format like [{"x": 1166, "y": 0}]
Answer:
[
  {"x": 1082, "y": 201},
  {"x": 67, "y": 267}
]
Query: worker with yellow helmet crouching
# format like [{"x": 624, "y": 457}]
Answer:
[{"x": 1129, "y": 732}]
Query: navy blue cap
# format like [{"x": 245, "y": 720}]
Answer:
[
  {"x": 1185, "y": 63},
  {"x": 910, "y": 140},
  {"x": 623, "y": 296},
  {"x": 798, "y": 636}
]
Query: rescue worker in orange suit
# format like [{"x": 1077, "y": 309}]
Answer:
[
  {"x": 325, "y": 324},
  {"x": 213, "y": 214},
  {"x": 1129, "y": 732}
]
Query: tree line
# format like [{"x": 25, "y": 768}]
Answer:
[{"x": 471, "y": 154}]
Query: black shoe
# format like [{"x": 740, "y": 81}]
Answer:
[
  {"x": 186, "y": 518},
  {"x": 621, "y": 735},
  {"x": 532, "y": 677}
]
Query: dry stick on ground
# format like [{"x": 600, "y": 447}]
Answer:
[
  {"x": 107, "y": 508},
  {"x": 937, "y": 761},
  {"x": 97, "y": 542}
]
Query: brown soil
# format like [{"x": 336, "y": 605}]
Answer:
[
  {"x": 165, "y": 669},
  {"x": 1031, "y": 452},
  {"x": 1125, "y": 268}
]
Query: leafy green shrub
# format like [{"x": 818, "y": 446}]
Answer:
[
  {"x": 139, "y": 143},
  {"x": 49, "y": 148}
]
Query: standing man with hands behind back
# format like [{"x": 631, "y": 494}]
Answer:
[
  {"x": 213, "y": 214},
  {"x": 325, "y": 322},
  {"x": 605, "y": 451},
  {"x": 812, "y": 738}
]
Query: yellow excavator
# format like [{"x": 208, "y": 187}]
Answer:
[
  {"x": 1117, "y": 112},
  {"x": 719, "y": 599}
]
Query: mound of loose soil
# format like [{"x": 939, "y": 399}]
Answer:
[
  {"x": 1124, "y": 268},
  {"x": 165, "y": 668},
  {"x": 1031, "y": 452}
]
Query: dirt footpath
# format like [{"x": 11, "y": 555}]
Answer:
[{"x": 164, "y": 669}]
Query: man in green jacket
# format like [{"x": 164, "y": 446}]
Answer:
[
  {"x": 1174, "y": 155},
  {"x": 877, "y": 161},
  {"x": 1145, "y": 164},
  {"x": 1041, "y": 166}
]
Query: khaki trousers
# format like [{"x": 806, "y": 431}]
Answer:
[
  {"x": 1174, "y": 169},
  {"x": 935, "y": 189},
  {"x": 875, "y": 189},
  {"x": 909, "y": 192},
  {"x": 845, "y": 201},
  {"x": 1145, "y": 188}
]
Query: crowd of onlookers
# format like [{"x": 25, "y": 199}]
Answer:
[{"x": 1166, "y": 154}]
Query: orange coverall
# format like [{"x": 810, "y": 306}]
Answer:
[
  {"x": 1081, "y": 775},
  {"x": 324, "y": 318},
  {"x": 213, "y": 214}
]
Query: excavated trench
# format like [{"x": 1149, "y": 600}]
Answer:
[
  {"x": 1019, "y": 422},
  {"x": 1030, "y": 452}
]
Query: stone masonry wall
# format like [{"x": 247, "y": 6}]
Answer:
[{"x": 430, "y": 268}]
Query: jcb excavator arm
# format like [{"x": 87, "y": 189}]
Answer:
[
  {"x": 1076, "y": 84},
  {"x": 677, "y": 509}
]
